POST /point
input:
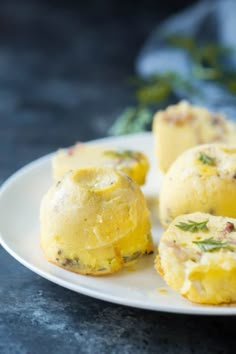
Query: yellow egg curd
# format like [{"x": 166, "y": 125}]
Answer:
[
  {"x": 183, "y": 126},
  {"x": 135, "y": 164},
  {"x": 201, "y": 179},
  {"x": 197, "y": 258},
  {"x": 95, "y": 221}
]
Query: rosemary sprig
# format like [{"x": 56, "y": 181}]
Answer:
[
  {"x": 210, "y": 244},
  {"x": 206, "y": 159},
  {"x": 193, "y": 226}
]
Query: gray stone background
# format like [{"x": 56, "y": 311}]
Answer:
[{"x": 63, "y": 72}]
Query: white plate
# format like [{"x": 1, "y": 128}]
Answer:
[{"x": 19, "y": 234}]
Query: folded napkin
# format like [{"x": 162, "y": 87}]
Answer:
[{"x": 207, "y": 21}]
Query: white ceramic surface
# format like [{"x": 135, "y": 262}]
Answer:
[{"x": 139, "y": 286}]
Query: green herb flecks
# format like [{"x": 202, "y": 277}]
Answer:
[
  {"x": 206, "y": 159},
  {"x": 121, "y": 154},
  {"x": 193, "y": 226},
  {"x": 210, "y": 244}
]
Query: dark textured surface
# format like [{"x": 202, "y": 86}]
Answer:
[{"x": 63, "y": 68}]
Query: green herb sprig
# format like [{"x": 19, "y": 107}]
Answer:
[
  {"x": 193, "y": 226},
  {"x": 210, "y": 244},
  {"x": 206, "y": 159},
  {"x": 209, "y": 63},
  {"x": 151, "y": 94},
  {"x": 132, "y": 120},
  {"x": 208, "y": 60}
]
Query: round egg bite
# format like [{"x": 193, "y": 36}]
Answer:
[
  {"x": 182, "y": 126},
  {"x": 197, "y": 258},
  {"x": 95, "y": 221},
  {"x": 201, "y": 179},
  {"x": 134, "y": 163}
]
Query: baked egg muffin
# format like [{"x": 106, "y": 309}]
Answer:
[
  {"x": 197, "y": 258},
  {"x": 201, "y": 179},
  {"x": 183, "y": 126},
  {"x": 95, "y": 221},
  {"x": 134, "y": 163}
]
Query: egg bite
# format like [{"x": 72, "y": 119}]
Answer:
[
  {"x": 183, "y": 126},
  {"x": 201, "y": 179},
  {"x": 95, "y": 221},
  {"x": 197, "y": 258},
  {"x": 134, "y": 163}
]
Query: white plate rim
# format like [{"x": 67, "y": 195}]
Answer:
[{"x": 199, "y": 310}]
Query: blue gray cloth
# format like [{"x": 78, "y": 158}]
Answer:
[{"x": 209, "y": 21}]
